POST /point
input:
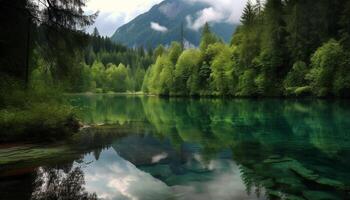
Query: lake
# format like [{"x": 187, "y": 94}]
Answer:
[{"x": 148, "y": 148}]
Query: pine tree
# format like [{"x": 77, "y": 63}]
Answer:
[
  {"x": 249, "y": 14},
  {"x": 207, "y": 38},
  {"x": 96, "y": 33}
]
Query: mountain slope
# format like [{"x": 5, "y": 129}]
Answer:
[{"x": 170, "y": 14}]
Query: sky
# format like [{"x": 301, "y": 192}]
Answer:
[{"x": 115, "y": 13}]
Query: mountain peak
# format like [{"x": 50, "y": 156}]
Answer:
[{"x": 162, "y": 25}]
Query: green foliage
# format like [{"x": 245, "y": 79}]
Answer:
[
  {"x": 186, "y": 72},
  {"x": 157, "y": 78},
  {"x": 38, "y": 112},
  {"x": 159, "y": 51},
  {"x": 345, "y": 25},
  {"x": 341, "y": 84},
  {"x": 166, "y": 80},
  {"x": 280, "y": 49},
  {"x": 246, "y": 84},
  {"x": 325, "y": 62},
  {"x": 222, "y": 79},
  {"x": 174, "y": 52},
  {"x": 249, "y": 14},
  {"x": 207, "y": 38},
  {"x": 98, "y": 75},
  {"x": 296, "y": 77},
  {"x": 38, "y": 121}
]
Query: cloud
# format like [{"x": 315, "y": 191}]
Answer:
[
  {"x": 115, "y": 13},
  {"x": 205, "y": 15},
  {"x": 157, "y": 27},
  {"x": 228, "y": 11}
]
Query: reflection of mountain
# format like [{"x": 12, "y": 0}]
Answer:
[
  {"x": 199, "y": 148},
  {"x": 185, "y": 171},
  {"x": 297, "y": 149}
]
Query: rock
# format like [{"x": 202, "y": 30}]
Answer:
[{"x": 320, "y": 195}]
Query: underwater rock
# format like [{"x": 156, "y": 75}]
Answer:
[
  {"x": 287, "y": 164},
  {"x": 331, "y": 182},
  {"x": 320, "y": 195},
  {"x": 188, "y": 178},
  {"x": 273, "y": 160},
  {"x": 158, "y": 171},
  {"x": 267, "y": 183},
  {"x": 283, "y": 196}
]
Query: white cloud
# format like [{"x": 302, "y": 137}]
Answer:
[
  {"x": 115, "y": 13},
  {"x": 218, "y": 11},
  {"x": 159, "y": 157},
  {"x": 205, "y": 15},
  {"x": 157, "y": 27}
]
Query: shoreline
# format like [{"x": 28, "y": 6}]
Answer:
[{"x": 227, "y": 97}]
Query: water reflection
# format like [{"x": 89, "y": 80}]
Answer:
[
  {"x": 159, "y": 172},
  {"x": 290, "y": 149},
  {"x": 113, "y": 177},
  {"x": 60, "y": 184},
  {"x": 151, "y": 148}
]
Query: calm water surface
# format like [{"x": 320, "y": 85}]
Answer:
[{"x": 146, "y": 148}]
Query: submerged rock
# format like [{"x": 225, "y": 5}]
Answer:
[{"x": 320, "y": 195}]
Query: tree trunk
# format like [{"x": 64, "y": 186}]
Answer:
[{"x": 27, "y": 54}]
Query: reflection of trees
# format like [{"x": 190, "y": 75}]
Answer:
[
  {"x": 55, "y": 184},
  {"x": 108, "y": 109},
  {"x": 280, "y": 145},
  {"x": 286, "y": 147}
]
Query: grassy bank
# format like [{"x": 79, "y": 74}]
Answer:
[{"x": 35, "y": 113}]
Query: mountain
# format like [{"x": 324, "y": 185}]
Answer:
[{"x": 167, "y": 18}]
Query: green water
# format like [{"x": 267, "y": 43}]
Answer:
[{"x": 150, "y": 148}]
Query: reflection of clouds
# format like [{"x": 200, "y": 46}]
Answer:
[
  {"x": 159, "y": 157},
  {"x": 112, "y": 177},
  {"x": 225, "y": 184},
  {"x": 123, "y": 185}
]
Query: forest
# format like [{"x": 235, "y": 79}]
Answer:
[{"x": 283, "y": 48}]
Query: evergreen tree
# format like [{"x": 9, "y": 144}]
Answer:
[
  {"x": 174, "y": 52},
  {"x": 95, "y": 33},
  {"x": 207, "y": 38},
  {"x": 186, "y": 67},
  {"x": 249, "y": 14}
]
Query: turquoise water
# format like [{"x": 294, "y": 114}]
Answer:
[{"x": 150, "y": 148}]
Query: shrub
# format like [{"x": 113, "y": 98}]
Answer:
[
  {"x": 35, "y": 112},
  {"x": 325, "y": 62},
  {"x": 296, "y": 77},
  {"x": 39, "y": 121}
]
